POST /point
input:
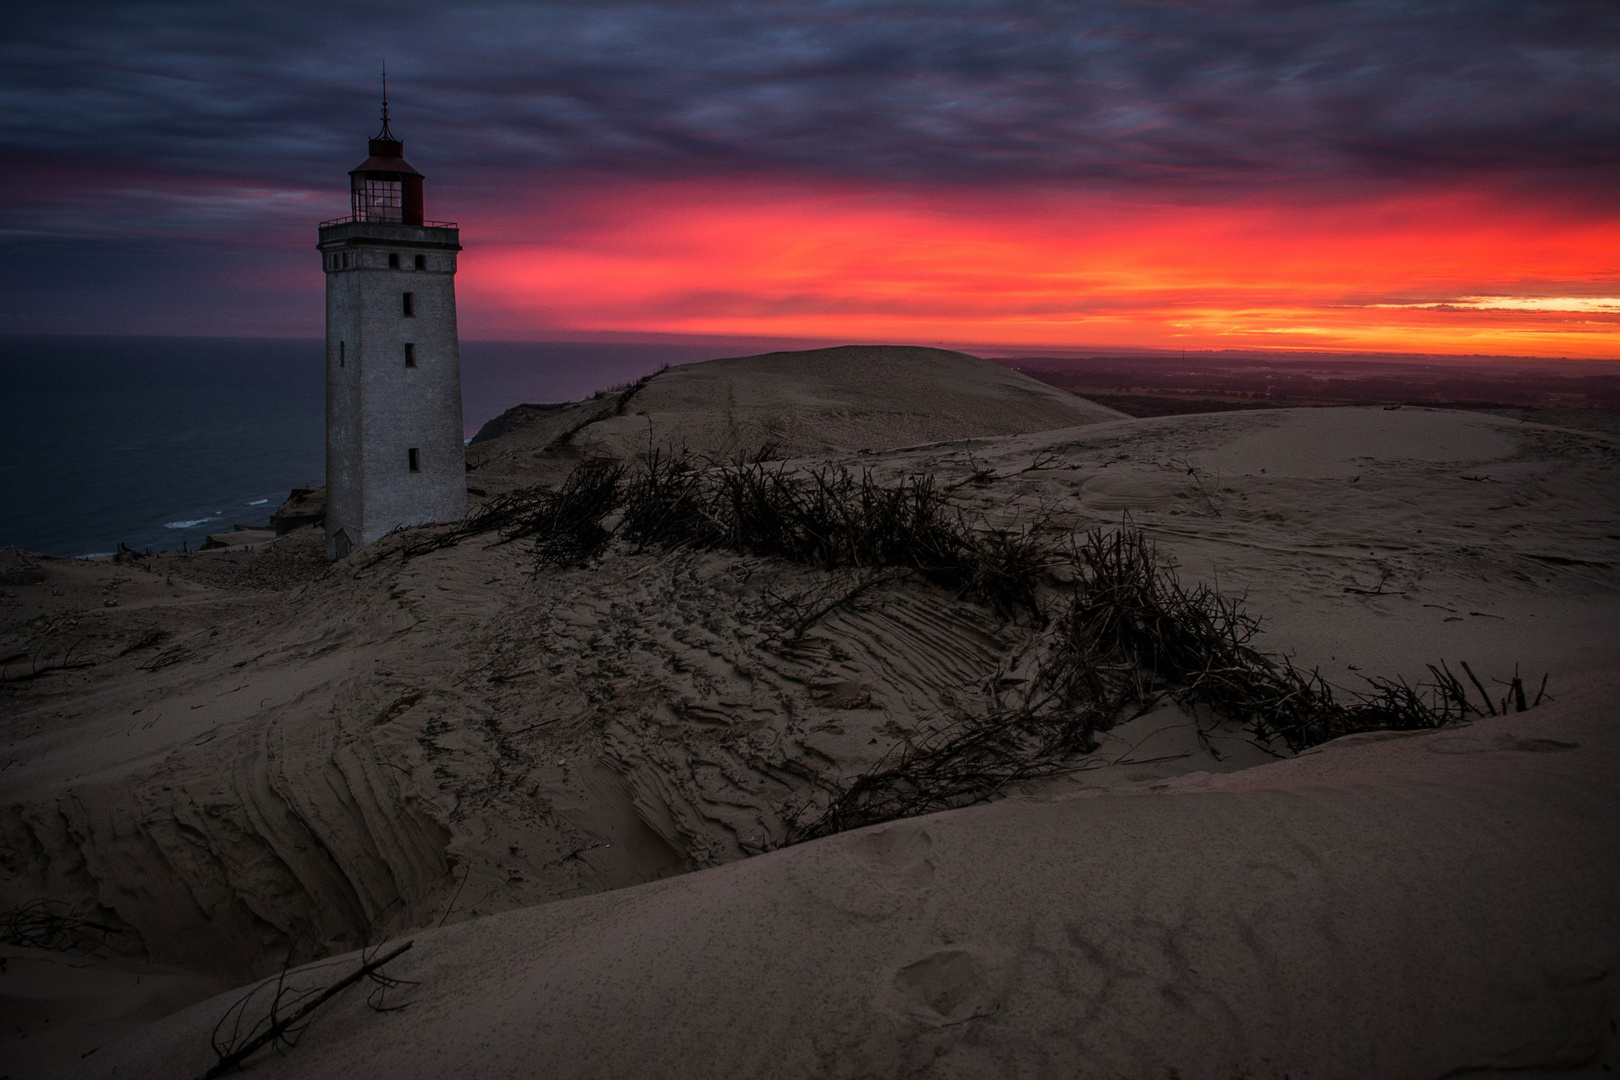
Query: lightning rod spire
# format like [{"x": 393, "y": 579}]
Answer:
[{"x": 385, "y": 133}]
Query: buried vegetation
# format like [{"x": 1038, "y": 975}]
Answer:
[{"x": 1116, "y": 630}]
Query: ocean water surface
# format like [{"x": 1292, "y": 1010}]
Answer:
[{"x": 157, "y": 442}]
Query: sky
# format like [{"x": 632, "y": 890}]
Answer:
[{"x": 1365, "y": 176}]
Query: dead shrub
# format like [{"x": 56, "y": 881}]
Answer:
[
  {"x": 52, "y": 925},
  {"x": 1123, "y": 635},
  {"x": 1120, "y": 631}
]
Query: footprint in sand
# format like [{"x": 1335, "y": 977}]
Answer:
[
  {"x": 949, "y": 986},
  {"x": 899, "y": 854}
]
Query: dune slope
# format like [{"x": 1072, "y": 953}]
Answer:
[
  {"x": 822, "y": 401},
  {"x": 1426, "y": 906}
]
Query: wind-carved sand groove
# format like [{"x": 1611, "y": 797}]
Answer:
[
  {"x": 213, "y": 868},
  {"x": 738, "y": 729},
  {"x": 284, "y": 828},
  {"x": 918, "y": 645}
]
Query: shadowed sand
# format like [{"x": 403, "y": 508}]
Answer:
[{"x": 262, "y": 755}]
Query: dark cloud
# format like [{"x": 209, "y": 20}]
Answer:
[{"x": 1191, "y": 94}]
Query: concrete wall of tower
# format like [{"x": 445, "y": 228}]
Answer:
[{"x": 379, "y": 406}]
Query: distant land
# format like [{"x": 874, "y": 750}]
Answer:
[{"x": 1159, "y": 385}]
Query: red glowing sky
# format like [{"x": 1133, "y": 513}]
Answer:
[{"x": 1445, "y": 272}]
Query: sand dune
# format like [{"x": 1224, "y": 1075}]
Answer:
[
  {"x": 264, "y": 756},
  {"x": 823, "y": 401}
]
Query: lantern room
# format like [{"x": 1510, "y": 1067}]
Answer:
[{"x": 384, "y": 187}]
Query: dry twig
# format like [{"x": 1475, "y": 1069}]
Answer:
[{"x": 283, "y": 1030}]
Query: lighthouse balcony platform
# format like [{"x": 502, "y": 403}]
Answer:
[{"x": 349, "y": 230}]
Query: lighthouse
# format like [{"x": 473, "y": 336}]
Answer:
[{"x": 394, "y": 449}]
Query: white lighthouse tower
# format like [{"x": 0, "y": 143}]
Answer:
[{"x": 394, "y": 448}]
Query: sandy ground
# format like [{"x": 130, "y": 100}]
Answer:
[{"x": 248, "y": 756}]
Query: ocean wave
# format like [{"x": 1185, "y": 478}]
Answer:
[
  {"x": 189, "y": 524},
  {"x": 260, "y": 502}
]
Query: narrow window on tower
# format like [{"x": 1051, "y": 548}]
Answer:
[
  {"x": 421, "y": 262},
  {"x": 410, "y": 354},
  {"x": 410, "y": 304},
  {"x": 393, "y": 260},
  {"x": 416, "y": 465},
  {"x": 340, "y": 353}
]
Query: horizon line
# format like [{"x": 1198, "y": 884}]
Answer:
[{"x": 987, "y": 350}]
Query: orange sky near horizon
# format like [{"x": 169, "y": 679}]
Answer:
[{"x": 1459, "y": 272}]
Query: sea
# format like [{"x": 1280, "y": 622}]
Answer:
[{"x": 157, "y": 442}]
